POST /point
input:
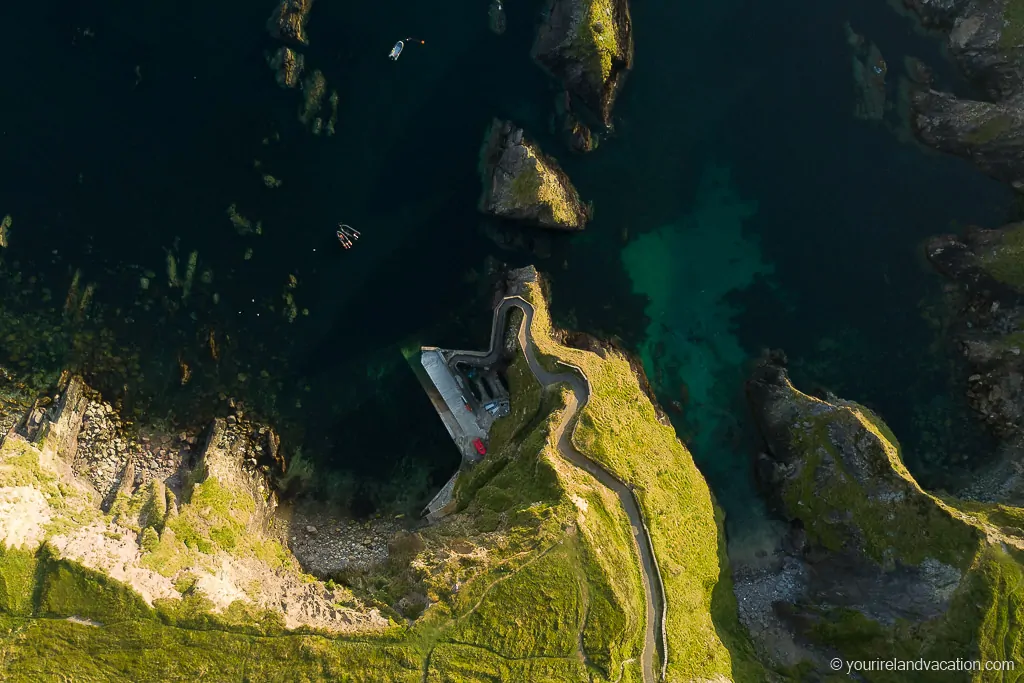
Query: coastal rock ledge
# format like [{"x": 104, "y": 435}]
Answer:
[{"x": 522, "y": 183}]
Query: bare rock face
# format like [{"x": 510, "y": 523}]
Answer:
[
  {"x": 522, "y": 183},
  {"x": 288, "y": 22},
  {"x": 588, "y": 46},
  {"x": 287, "y": 65}
]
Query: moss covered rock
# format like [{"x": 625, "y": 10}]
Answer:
[
  {"x": 522, "y": 183},
  {"x": 894, "y": 571},
  {"x": 834, "y": 466},
  {"x": 588, "y": 46}
]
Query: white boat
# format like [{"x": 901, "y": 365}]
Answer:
[{"x": 396, "y": 50}]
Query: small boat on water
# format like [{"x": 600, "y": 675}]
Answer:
[
  {"x": 347, "y": 235},
  {"x": 396, "y": 51}
]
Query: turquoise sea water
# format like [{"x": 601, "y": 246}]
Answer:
[{"x": 739, "y": 204}]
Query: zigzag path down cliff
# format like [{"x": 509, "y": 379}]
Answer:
[{"x": 580, "y": 394}]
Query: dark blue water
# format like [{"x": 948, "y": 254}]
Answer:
[{"x": 738, "y": 205}]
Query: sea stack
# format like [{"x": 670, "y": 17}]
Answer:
[
  {"x": 522, "y": 183},
  {"x": 588, "y": 45}
]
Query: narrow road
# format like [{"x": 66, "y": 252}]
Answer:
[{"x": 654, "y": 639}]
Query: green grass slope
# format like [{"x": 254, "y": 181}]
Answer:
[
  {"x": 619, "y": 428},
  {"x": 534, "y": 579}
]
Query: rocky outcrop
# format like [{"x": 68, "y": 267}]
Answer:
[
  {"x": 874, "y": 565},
  {"x": 833, "y": 468},
  {"x": 990, "y": 135},
  {"x": 988, "y": 262},
  {"x": 287, "y": 65},
  {"x": 522, "y": 183},
  {"x": 576, "y": 134},
  {"x": 985, "y": 38},
  {"x": 588, "y": 46},
  {"x": 987, "y": 267},
  {"x": 987, "y": 41},
  {"x": 869, "y": 71},
  {"x": 288, "y": 22}
]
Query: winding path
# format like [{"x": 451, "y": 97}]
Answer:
[{"x": 654, "y": 594}]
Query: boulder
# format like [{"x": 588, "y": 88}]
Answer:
[
  {"x": 521, "y": 183},
  {"x": 496, "y": 18},
  {"x": 588, "y": 46}
]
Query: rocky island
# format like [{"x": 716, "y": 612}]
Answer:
[
  {"x": 588, "y": 46},
  {"x": 522, "y": 183}
]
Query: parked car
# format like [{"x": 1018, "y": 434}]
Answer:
[{"x": 479, "y": 446}]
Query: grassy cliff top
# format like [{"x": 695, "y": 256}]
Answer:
[
  {"x": 533, "y": 579},
  {"x": 619, "y": 428}
]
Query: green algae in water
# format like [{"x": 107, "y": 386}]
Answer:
[{"x": 686, "y": 269}]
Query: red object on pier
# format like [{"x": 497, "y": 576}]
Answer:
[{"x": 479, "y": 446}]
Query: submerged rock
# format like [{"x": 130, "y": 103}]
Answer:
[
  {"x": 522, "y": 183},
  {"x": 496, "y": 17},
  {"x": 869, "y": 71},
  {"x": 287, "y": 65},
  {"x": 588, "y": 46},
  {"x": 288, "y": 22}
]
